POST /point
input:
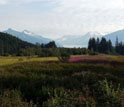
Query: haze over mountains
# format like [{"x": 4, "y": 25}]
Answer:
[
  {"x": 77, "y": 41},
  {"x": 82, "y": 41},
  {"x": 68, "y": 40}
]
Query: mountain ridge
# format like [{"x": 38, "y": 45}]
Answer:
[
  {"x": 117, "y": 34},
  {"x": 26, "y": 37}
]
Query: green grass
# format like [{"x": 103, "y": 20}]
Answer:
[
  {"x": 61, "y": 83},
  {"x": 13, "y": 60},
  {"x": 36, "y": 81}
]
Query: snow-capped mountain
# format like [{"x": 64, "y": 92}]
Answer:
[
  {"x": 118, "y": 34},
  {"x": 29, "y": 36},
  {"x": 77, "y": 41},
  {"x": 28, "y": 32}
]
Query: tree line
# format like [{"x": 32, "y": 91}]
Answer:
[
  {"x": 105, "y": 46},
  {"x": 10, "y": 45}
]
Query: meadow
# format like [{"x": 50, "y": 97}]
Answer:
[
  {"x": 14, "y": 60},
  {"x": 84, "y": 81},
  {"x": 21, "y": 59}
]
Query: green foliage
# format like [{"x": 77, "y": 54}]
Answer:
[
  {"x": 62, "y": 84},
  {"x": 91, "y": 52},
  {"x": 119, "y": 47},
  {"x": 12, "y": 98},
  {"x": 105, "y": 95},
  {"x": 69, "y": 99},
  {"x": 11, "y": 45},
  {"x": 110, "y": 96},
  {"x": 105, "y": 46},
  {"x": 102, "y": 46},
  {"x": 64, "y": 57}
]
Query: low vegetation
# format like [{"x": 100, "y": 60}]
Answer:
[{"x": 57, "y": 84}]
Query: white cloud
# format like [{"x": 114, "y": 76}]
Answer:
[
  {"x": 3, "y": 2},
  {"x": 74, "y": 17}
]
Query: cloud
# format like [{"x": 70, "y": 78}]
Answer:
[
  {"x": 2, "y": 2},
  {"x": 64, "y": 17},
  {"x": 23, "y": 1}
]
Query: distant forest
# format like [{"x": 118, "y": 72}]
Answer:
[
  {"x": 105, "y": 46},
  {"x": 10, "y": 45}
]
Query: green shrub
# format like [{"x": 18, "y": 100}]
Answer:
[
  {"x": 12, "y": 98},
  {"x": 69, "y": 99},
  {"x": 109, "y": 96},
  {"x": 64, "y": 57},
  {"x": 92, "y": 52}
]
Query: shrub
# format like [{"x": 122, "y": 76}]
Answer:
[
  {"x": 12, "y": 98},
  {"x": 64, "y": 57},
  {"x": 92, "y": 52},
  {"x": 108, "y": 95},
  {"x": 69, "y": 99}
]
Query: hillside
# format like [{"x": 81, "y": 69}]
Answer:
[
  {"x": 30, "y": 37},
  {"x": 11, "y": 45}
]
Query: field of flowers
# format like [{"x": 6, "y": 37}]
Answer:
[
  {"x": 84, "y": 81},
  {"x": 75, "y": 58}
]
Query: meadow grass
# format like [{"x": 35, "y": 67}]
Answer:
[
  {"x": 13, "y": 60},
  {"x": 52, "y": 84}
]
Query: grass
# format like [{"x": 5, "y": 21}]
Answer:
[
  {"x": 13, "y": 60},
  {"x": 36, "y": 82}
]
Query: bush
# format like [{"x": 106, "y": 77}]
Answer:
[
  {"x": 109, "y": 96},
  {"x": 69, "y": 99},
  {"x": 64, "y": 57},
  {"x": 92, "y": 52},
  {"x": 12, "y": 98}
]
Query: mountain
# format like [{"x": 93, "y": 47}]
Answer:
[
  {"x": 12, "y": 45},
  {"x": 77, "y": 41},
  {"x": 28, "y": 36},
  {"x": 118, "y": 34}
]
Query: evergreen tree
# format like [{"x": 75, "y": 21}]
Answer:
[
  {"x": 103, "y": 45},
  {"x": 109, "y": 46},
  {"x": 92, "y": 44}
]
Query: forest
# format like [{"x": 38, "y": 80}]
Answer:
[
  {"x": 105, "y": 46},
  {"x": 10, "y": 45}
]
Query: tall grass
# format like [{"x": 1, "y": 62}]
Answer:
[{"x": 55, "y": 84}]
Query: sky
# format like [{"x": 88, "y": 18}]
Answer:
[{"x": 57, "y": 18}]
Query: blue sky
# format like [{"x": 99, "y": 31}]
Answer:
[{"x": 56, "y": 18}]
